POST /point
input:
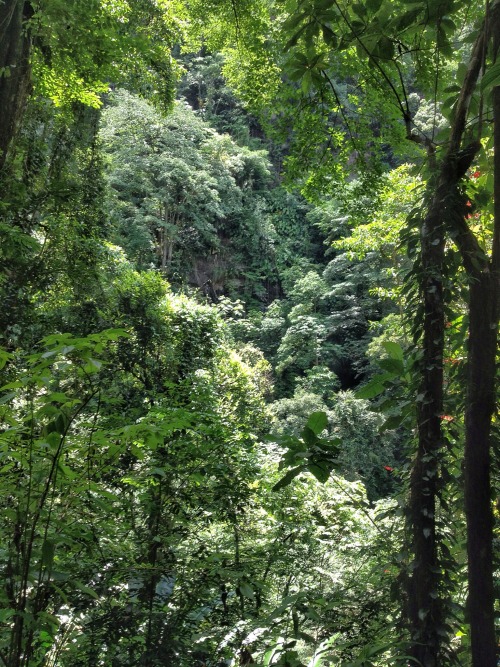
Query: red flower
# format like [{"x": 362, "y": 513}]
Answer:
[
  {"x": 388, "y": 468},
  {"x": 446, "y": 418},
  {"x": 468, "y": 203},
  {"x": 476, "y": 174}
]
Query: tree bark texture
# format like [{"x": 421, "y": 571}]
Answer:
[
  {"x": 15, "y": 70},
  {"x": 482, "y": 346},
  {"x": 424, "y": 605},
  {"x": 484, "y": 302}
]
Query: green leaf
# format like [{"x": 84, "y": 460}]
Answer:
[
  {"x": 448, "y": 106},
  {"x": 115, "y": 334},
  {"x": 6, "y": 614},
  {"x": 66, "y": 471},
  {"x": 295, "y": 38},
  {"x": 93, "y": 365},
  {"x": 322, "y": 5},
  {"x": 85, "y": 589},
  {"x": 394, "y": 366},
  {"x": 6, "y": 398},
  {"x": 374, "y": 5},
  {"x": 321, "y": 472},
  {"x": 392, "y": 422},
  {"x": 295, "y": 20},
  {"x": 492, "y": 77},
  {"x": 317, "y": 422},
  {"x": 371, "y": 389},
  {"x": 384, "y": 48},
  {"x": 49, "y": 353},
  {"x": 306, "y": 82},
  {"x": 12, "y": 385},
  {"x": 290, "y": 475},
  {"x": 359, "y": 9},
  {"x": 394, "y": 350},
  {"x": 4, "y": 357},
  {"x": 53, "y": 439},
  {"x": 246, "y": 590},
  {"x": 329, "y": 36},
  {"x": 57, "y": 397},
  {"x": 48, "y": 550},
  {"x": 309, "y": 437}
]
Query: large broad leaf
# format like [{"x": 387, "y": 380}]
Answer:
[
  {"x": 285, "y": 481},
  {"x": 317, "y": 422},
  {"x": 492, "y": 77},
  {"x": 6, "y": 398},
  {"x": 85, "y": 589},
  {"x": 373, "y": 5},
  {"x": 392, "y": 422},
  {"x": 320, "y": 471},
  {"x": 370, "y": 390},
  {"x": 246, "y": 590},
  {"x": 394, "y": 366},
  {"x": 322, "y": 649},
  {"x": 48, "y": 550},
  {"x": 394, "y": 350},
  {"x": 309, "y": 437},
  {"x": 115, "y": 334},
  {"x": 4, "y": 357},
  {"x": 384, "y": 48},
  {"x": 295, "y": 38}
]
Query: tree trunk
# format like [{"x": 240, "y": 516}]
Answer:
[
  {"x": 170, "y": 251},
  {"x": 477, "y": 487},
  {"x": 15, "y": 71},
  {"x": 484, "y": 302},
  {"x": 163, "y": 249},
  {"x": 446, "y": 210},
  {"x": 423, "y": 602}
]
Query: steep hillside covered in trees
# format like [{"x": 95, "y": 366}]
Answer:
[{"x": 250, "y": 286}]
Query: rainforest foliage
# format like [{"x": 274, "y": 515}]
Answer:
[{"x": 250, "y": 277}]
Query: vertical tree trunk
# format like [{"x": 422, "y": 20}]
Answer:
[
  {"x": 163, "y": 247},
  {"x": 15, "y": 72},
  {"x": 426, "y": 614},
  {"x": 170, "y": 251},
  {"x": 477, "y": 487},
  {"x": 423, "y": 601},
  {"x": 484, "y": 302}
]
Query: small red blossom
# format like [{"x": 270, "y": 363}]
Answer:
[
  {"x": 476, "y": 174},
  {"x": 388, "y": 468},
  {"x": 468, "y": 203},
  {"x": 446, "y": 418}
]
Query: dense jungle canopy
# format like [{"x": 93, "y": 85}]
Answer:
[{"x": 250, "y": 287}]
